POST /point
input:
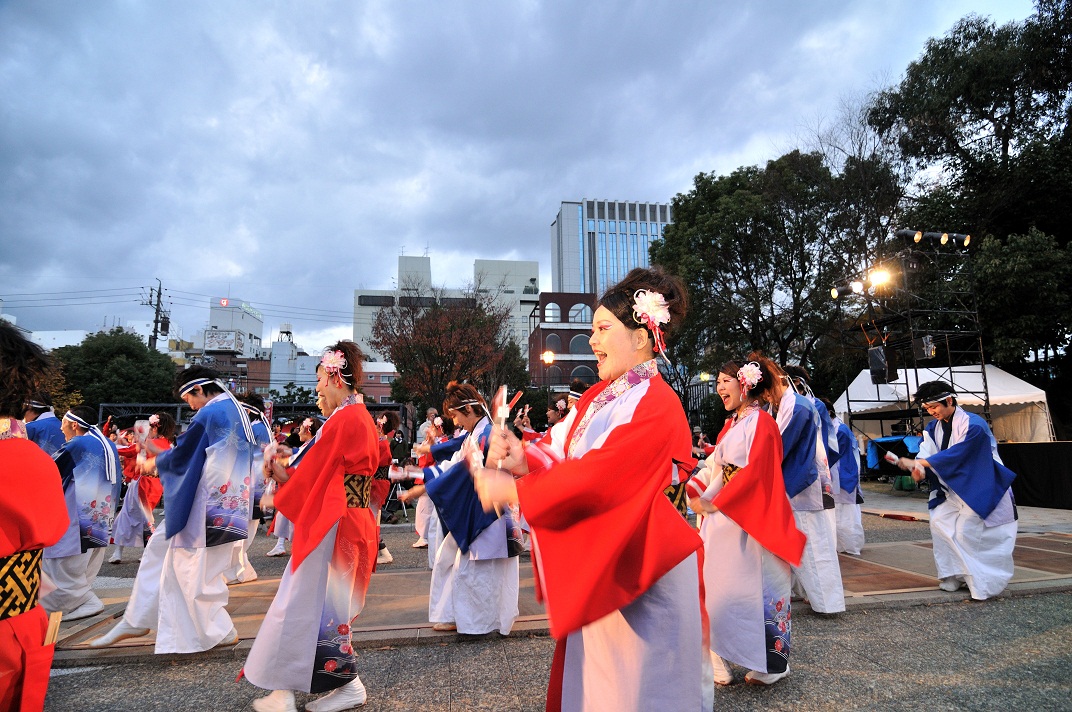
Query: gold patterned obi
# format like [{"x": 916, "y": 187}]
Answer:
[
  {"x": 728, "y": 471},
  {"x": 20, "y": 577},
  {"x": 678, "y": 497},
  {"x": 358, "y": 490}
]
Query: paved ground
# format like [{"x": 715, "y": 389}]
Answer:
[
  {"x": 901, "y": 644},
  {"x": 1001, "y": 655}
]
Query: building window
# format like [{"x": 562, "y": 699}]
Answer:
[
  {"x": 416, "y": 301},
  {"x": 385, "y": 399},
  {"x": 372, "y": 300},
  {"x": 579, "y": 345},
  {"x": 580, "y": 314},
  {"x": 387, "y": 379},
  {"x": 585, "y": 374},
  {"x": 552, "y": 343},
  {"x": 551, "y": 312}
]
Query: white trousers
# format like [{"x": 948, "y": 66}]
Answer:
[
  {"x": 182, "y": 593},
  {"x": 479, "y": 596},
  {"x": 968, "y": 550},
  {"x": 819, "y": 573},
  {"x": 421, "y": 516},
  {"x": 850, "y": 528},
  {"x": 241, "y": 569},
  {"x": 73, "y": 577}
]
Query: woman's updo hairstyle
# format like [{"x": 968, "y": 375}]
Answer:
[
  {"x": 24, "y": 368},
  {"x": 730, "y": 368},
  {"x": 460, "y": 395},
  {"x": 619, "y": 299},
  {"x": 165, "y": 426},
  {"x": 351, "y": 373}
]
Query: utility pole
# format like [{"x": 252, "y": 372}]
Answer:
[{"x": 161, "y": 318}]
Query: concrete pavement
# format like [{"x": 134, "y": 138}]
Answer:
[{"x": 895, "y": 573}]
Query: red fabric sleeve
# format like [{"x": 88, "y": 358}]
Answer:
[
  {"x": 755, "y": 497},
  {"x": 33, "y": 512},
  {"x": 605, "y": 532},
  {"x": 314, "y": 498}
]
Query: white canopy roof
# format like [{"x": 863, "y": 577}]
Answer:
[
  {"x": 1019, "y": 410},
  {"x": 1004, "y": 388}
]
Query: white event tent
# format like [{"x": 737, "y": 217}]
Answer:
[{"x": 1019, "y": 411}]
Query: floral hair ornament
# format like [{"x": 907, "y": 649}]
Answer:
[
  {"x": 560, "y": 404},
  {"x": 749, "y": 375},
  {"x": 333, "y": 362},
  {"x": 438, "y": 422},
  {"x": 650, "y": 310},
  {"x": 154, "y": 419}
]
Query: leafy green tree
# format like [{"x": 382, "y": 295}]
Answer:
[
  {"x": 116, "y": 367},
  {"x": 990, "y": 107},
  {"x": 759, "y": 250},
  {"x": 1032, "y": 317}
]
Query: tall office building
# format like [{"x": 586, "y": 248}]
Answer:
[{"x": 594, "y": 243}]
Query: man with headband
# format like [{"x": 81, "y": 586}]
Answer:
[
  {"x": 89, "y": 468},
  {"x": 42, "y": 425},
  {"x": 180, "y": 588},
  {"x": 973, "y": 516}
]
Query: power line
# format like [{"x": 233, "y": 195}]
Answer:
[
  {"x": 259, "y": 305},
  {"x": 80, "y": 291}
]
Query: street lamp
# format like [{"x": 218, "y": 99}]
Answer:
[{"x": 548, "y": 357}]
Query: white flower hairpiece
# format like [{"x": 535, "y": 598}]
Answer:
[
  {"x": 333, "y": 362},
  {"x": 561, "y": 404},
  {"x": 154, "y": 419},
  {"x": 749, "y": 375},
  {"x": 438, "y": 422},
  {"x": 650, "y": 309}
]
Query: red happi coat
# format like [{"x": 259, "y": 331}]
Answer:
[{"x": 604, "y": 531}]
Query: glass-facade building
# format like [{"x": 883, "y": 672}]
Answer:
[{"x": 594, "y": 243}]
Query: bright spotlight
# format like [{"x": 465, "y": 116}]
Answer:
[
  {"x": 857, "y": 286},
  {"x": 879, "y": 277},
  {"x": 834, "y": 293},
  {"x": 945, "y": 238}
]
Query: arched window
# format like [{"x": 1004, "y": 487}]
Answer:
[
  {"x": 585, "y": 374},
  {"x": 554, "y": 375},
  {"x": 551, "y": 312},
  {"x": 579, "y": 345},
  {"x": 580, "y": 314},
  {"x": 552, "y": 343}
]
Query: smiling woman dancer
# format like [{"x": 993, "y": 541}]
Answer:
[
  {"x": 750, "y": 538},
  {"x": 305, "y": 642},
  {"x": 618, "y": 565}
]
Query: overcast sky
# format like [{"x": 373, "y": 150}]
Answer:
[{"x": 286, "y": 153}]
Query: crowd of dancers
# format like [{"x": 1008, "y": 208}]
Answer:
[{"x": 648, "y": 608}]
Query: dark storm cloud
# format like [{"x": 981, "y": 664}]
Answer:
[{"x": 285, "y": 153}]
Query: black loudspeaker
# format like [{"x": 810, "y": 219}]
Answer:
[{"x": 880, "y": 365}]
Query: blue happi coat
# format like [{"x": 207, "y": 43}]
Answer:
[
  {"x": 91, "y": 477},
  {"x": 208, "y": 477}
]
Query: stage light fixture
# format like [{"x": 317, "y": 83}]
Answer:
[
  {"x": 879, "y": 277},
  {"x": 913, "y": 235},
  {"x": 857, "y": 286},
  {"x": 834, "y": 293},
  {"x": 945, "y": 238}
]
